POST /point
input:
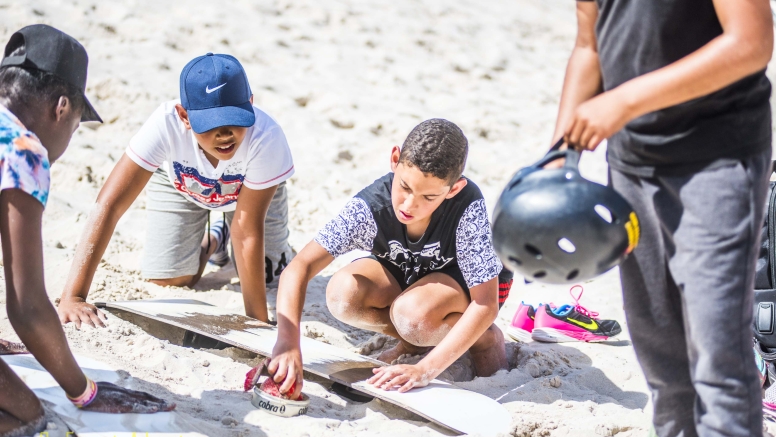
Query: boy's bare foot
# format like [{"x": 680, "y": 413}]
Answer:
[
  {"x": 10, "y": 426},
  {"x": 403, "y": 348},
  {"x": 488, "y": 353}
]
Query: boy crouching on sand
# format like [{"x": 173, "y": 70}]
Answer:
[
  {"x": 432, "y": 278},
  {"x": 42, "y": 79}
]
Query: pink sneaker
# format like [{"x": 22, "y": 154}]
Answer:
[
  {"x": 769, "y": 404},
  {"x": 572, "y": 323},
  {"x": 522, "y": 323}
]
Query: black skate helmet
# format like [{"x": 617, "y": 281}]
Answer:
[{"x": 557, "y": 227}]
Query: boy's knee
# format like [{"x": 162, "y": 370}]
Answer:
[
  {"x": 413, "y": 322},
  {"x": 181, "y": 281},
  {"x": 342, "y": 296},
  {"x": 405, "y": 309}
]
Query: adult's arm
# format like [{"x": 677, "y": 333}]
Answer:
[
  {"x": 583, "y": 71},
  {"x": 744, "y": 48},
  {"x": 286, "y": 363},
  {"x": 124, "y": 184}
]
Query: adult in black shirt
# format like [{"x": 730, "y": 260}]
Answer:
[{"x": 678, "y": 88}]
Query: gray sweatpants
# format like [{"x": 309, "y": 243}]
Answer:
[
  {"x": 176, "y": 226},
  {"x": 688, "y": 295}
]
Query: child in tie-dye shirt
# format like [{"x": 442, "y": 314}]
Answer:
[
  {"x": 41, "y": 105},
  {"x": 24, "y": 161}
]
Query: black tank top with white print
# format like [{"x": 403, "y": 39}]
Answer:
[{"x": 457, "y": 241}]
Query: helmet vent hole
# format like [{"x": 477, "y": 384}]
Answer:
[
  {"x": 566, "y": 245},
  {"x": 540, "y": 274},
  {"x": 573, "y": 274},
  {"x": 515, "y": 260},
  {"x": 533, "y": 251},
  {"x": 604, "y": 213}
]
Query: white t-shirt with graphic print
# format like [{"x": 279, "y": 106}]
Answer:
[{"x": 262, "y": 160}]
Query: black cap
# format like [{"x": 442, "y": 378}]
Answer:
[{"x": 52, "y": 51}]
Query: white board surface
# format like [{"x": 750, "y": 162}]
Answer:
[
  {"x": 90, "y": 424},
  {"x": 458, "y": 409}
]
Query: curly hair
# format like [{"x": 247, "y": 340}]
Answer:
[{"x": 437, "y": 147}]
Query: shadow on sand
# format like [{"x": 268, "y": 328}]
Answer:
[{"x": 545, "y": 373}]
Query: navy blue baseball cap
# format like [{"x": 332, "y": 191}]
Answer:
[{"x": 215, "y": 93}]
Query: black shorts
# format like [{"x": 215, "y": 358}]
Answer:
[{"x": 504, "y": 278}]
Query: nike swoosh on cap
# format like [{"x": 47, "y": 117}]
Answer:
[{"x": 208, "y": 90}]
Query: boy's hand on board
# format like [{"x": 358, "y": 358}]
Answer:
[
  {"x": 403, "y": 376},
  {"x": 78, "y": 311},
  {"x": 285, "y": 366},
  {"x": 119, "y": 400},
  {"x": 596, "y": 120}
]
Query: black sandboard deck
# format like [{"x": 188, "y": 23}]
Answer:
[{"x": 445, "y": 404}]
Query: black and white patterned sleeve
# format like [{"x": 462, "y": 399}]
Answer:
[
  {"x": 474, "y": 246},
  {"x": 353, "y": 229}
]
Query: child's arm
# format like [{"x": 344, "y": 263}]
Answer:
[
  {"x": 34, "y": 318},
  {"x": 477, "y": 318},
  {"x": 124, "y": 184},
  {"x": 29, "y": 310},
  {"x": 248, "y": 239},
  {"x": 352, "y": 229},
  {"x": 744, "y": 48},
  {"x": 286, "y": 363}
]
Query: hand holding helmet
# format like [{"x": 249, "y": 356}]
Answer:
[
  {"x": 554, "y": 226},
  {"x": 597, "y": 119}
]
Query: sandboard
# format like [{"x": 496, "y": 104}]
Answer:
[
  {"x": 445, "y": 404},
  {"x": 90, "y": 424}
]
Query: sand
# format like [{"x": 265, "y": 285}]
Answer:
[{"x": 346, "y": 80}]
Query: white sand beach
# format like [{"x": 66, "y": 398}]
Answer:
[{"x": 346, "y": 80}]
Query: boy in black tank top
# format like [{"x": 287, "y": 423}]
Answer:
[{"x": 432, "y": 280}]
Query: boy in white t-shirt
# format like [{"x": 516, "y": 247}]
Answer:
[{"x": 212, "y": 151}]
